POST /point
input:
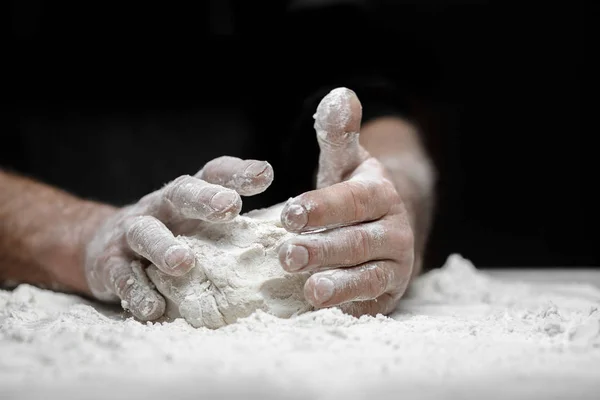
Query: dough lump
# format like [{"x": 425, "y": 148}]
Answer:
[{"x": 237, "y": 272}]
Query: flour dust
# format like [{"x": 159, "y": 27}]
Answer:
[{"x": 457, "y": 334}]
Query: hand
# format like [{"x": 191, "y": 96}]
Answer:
[
  {"x": 363, "y": 253},
  {"x": 146, "y": 231}
]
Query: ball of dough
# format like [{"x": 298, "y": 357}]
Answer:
[{"x": 237, "y": 272}]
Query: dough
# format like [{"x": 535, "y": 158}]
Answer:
[{"x": 237, "y": 272}]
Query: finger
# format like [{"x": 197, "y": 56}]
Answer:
[
  {"x": 247, "y": 177},
  {"x": 202, "y": 311},
  {"x": 151, "y": 239},
  {"x": 344, "y": 247},
  {"x": 131, "y": 285},
  {"x": 337, "y": 124},
  {"x": 345, "y": 203},
  {"x": 191, "y": 295},
  {"x": 366, "y": 282},
  {"x": 194, "y": 198},
  {"x": 384, "y": 304}
]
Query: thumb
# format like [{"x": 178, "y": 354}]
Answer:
[{"x": 337, "y": 124}]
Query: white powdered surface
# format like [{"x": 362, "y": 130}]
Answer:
[{"x": 459, "y": 334}]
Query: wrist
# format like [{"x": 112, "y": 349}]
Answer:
[
  {"x": 64, "y": 249},
  {"x": 43, "y": 234}
]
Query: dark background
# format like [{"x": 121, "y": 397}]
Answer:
[{"x": 497, "y": 87}]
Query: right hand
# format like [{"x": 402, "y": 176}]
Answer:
[{"x": 145, "y": 233}]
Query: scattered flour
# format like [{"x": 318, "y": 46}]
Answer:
[
  {"x": 238, "y": 273},
  {"x": 458, "y": 334}
]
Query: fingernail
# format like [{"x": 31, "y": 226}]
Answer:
[
  {"x": 179, "y": 259},
  {"x": 256, "y": 168},
  {"x": 295, "y": 217},
  {"x": 223, "y": 200},
  {"x": 148, "y": 308},
  {"x": 323, "y": 290},
  {"x": 294, "y": 257}
]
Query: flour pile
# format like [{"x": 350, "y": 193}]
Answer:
[{"x": 458, "y": 334}]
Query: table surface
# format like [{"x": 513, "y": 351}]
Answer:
[
  {"x": 464, "y": 359},
  {"x": 547, "y": 275}
]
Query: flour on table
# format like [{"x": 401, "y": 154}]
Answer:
[
  {"x": 459, "y": 333},
  {"x": 237, "y": 272}
]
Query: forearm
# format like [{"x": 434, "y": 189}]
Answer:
[
  {"x": 396, "y": 143},
  {"x": 42, "y": 234}
]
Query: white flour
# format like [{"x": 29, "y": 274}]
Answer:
[
  {"x": 237, "y": 273},
  {"x": 459, "y": 334}
]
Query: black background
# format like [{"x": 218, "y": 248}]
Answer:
[{"x": 498, "y": 88}]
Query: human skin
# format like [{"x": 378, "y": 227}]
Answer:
[
  {"x": 371, "y": 209},
  {"x": 53, "y": 239}
]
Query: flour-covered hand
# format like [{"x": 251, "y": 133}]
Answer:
[
  {"x": 356, "y": 237},
  {"x": 145, "y": 233}
]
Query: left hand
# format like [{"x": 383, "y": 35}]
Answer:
[{"x": 362, "y": 256}]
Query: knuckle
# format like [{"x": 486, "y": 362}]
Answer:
[
  {"x": 379, "y": 280},
  {"x": 360, "y": 244},
  {"x": 400, "y": 239},
  {"x": 180, "y": 181},
  {"x": 173, "y": 189},
  {"x": 357, "y": 201},
  {"x": 403, "y": 246},
  {"x": 375, "y": 164},
  {"x": 139, "y": 225},
  {"x": 320, "y": 251},
  {"x": 149, "y": 200},
  {"x": 388, "y": 191},
  {"x": 406, "y": 237}
]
